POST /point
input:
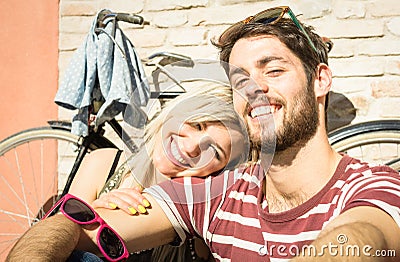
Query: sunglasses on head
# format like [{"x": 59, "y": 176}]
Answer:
[
  {"x": 109, "y": 242},
  {"x": 270, "y": 16}
]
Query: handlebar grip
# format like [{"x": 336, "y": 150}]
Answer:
[{"x": 130, "y": 18}]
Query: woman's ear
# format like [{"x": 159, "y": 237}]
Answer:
[{"x": 323, "y": 80}]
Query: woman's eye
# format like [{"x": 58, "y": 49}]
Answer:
[
  {"x": 199, "y": 126},
  {"x": 217, "y": 155}
]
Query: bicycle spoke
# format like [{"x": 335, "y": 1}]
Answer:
[
  {"x": 14, "y": 215},
  {"x": 21, "y": 181},
  {"x": 11, "y": 188}
]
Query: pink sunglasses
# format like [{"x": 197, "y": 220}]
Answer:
[{"x": 109, "y": 242}]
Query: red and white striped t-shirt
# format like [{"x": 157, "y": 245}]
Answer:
[{"x": 230, "y": 213}]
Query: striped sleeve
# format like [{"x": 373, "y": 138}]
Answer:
[{"x": 378, "y": 186}]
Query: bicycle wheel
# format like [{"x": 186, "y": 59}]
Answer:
[
  {"x": 34, "y": 165},
  {"x": 374, "y": 141}
]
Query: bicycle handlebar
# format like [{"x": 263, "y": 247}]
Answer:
[
  {"x": 124, "y": 17},
  {"x": 130, "y": 18}
]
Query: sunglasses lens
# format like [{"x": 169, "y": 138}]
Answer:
[
  {"x": 268, "y": 16},
  {"x": 78, "y": 210},
  {"x": 111, "y": 244}
]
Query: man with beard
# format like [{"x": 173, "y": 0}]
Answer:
[{"x": 301, "y": 199}]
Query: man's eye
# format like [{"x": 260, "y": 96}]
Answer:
[
  {"x": 275, "y": 72},
  {"x": 240, "y": 83}
]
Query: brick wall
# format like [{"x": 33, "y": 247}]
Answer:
[{"x": 365, "y": 59}]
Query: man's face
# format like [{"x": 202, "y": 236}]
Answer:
[{"x": 270, "y": 92}]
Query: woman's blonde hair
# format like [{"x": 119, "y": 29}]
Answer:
[{"x": 210, "y": 102}]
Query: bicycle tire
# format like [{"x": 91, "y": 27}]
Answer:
[
  {"x": 31, "y": 179},
  {"x": 374, "y": 141}
]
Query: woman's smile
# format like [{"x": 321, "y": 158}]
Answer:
[{"x": 175, "y": 154}]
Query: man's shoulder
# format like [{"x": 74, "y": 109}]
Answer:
[
  {"x": 362, "y": 177},
  {"x": 366, "y": 184},
  {"x": 353, "y": 166}
]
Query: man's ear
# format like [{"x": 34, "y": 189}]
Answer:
[{"x": 323, "y": 80}]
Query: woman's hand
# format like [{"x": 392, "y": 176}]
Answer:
[{"x": 129, "y": 200}]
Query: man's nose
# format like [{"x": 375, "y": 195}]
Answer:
[{"x": 255, "y": 87}]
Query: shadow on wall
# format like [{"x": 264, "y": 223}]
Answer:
[{"x": 341, "y": 111}]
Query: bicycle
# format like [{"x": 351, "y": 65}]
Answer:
[
  {"x": 39, "y": 164},
  {"x": 29, "y": 194},
  {"x": 374, "y": 141}
]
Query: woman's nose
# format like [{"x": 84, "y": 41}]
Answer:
[
  {"x": 191, "y": 148},
  {"x": 195, "y": 143}
]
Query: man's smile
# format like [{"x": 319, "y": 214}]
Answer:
[{"x": 263, "y": 110}]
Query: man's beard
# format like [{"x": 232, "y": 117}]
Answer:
[{"x": 297, "y": 128}]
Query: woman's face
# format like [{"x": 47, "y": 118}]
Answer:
[{"x": 184, "y": 149}]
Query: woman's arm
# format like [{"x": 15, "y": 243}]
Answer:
[
  {"x": 92, "y": 174},
  {"x": 139, "y": 231}
]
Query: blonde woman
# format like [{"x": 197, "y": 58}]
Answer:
[{"x": 196, "y": 134}]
